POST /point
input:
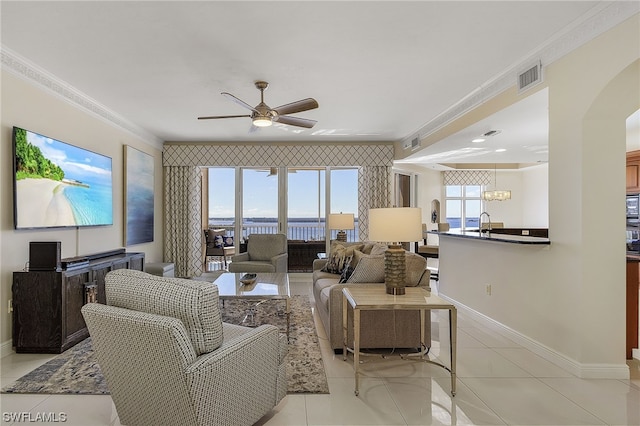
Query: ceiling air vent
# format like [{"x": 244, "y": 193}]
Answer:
[
  {"x": 530, "y": 77},
  {"x": 491, "y": 133},
  {"x": 411, "y": 143}
]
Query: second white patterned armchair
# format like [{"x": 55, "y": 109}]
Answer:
[{"x": 168, "y": 358}]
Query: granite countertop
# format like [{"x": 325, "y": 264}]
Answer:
[{"x": 488, "y": 236}]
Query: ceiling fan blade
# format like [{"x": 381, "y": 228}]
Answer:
[
  {"x": 222, "y": 116},
  {"x": 298, "y": 106},
  {"x": 239, "y": 101},
  {"x": 295, "y": 121}
]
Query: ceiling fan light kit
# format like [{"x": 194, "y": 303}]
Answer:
[
  {"x": 264, "y": 116},
  {"x": 262, "y": 121}
]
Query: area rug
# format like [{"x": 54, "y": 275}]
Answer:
[{"x": 76, "y": 371}]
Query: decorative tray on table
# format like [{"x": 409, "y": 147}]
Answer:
[{"x": 248, "y": 278}]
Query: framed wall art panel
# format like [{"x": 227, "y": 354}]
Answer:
[{"x": 138, "y": 196}]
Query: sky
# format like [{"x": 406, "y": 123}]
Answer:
[
  {"x": 260, "y": 192},
  {"x": 77, "y": 163}
]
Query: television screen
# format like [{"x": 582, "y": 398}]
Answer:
[{"x": 59, "y": 185}]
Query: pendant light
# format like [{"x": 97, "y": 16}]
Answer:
[{"x": 496, "y": 194}]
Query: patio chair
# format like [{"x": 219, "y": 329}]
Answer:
[{"x": 217, "y": 246}]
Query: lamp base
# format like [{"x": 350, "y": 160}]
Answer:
[
  {"x": 395, "y": 272},
  {"x": 396, "y": 291},
  {"x": 342, "y": 236}
]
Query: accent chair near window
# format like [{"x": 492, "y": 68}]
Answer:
[{"x": 265, "y": 253}]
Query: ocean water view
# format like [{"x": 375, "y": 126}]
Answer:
[
  {"x": 456, "y": 222},
  {"x": 306, "y": 229},
  {"x": 92, "y": 205}
]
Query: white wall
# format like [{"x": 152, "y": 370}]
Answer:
[
  {"x": 509, "y": 211},
  {"x": 529, "y": 203},
  {"x": 535, "y": 205},
  {"x": 558, "y": 296},
  {"x": 25, "y": 105},
  {"x": 528, "y": 206}
]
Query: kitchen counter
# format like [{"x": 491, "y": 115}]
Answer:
[{"x": 494, "y": 236}]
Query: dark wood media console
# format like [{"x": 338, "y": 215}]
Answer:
[{"x": 46, "y": 304}]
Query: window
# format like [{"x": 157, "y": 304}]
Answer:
[
  {"x": 463, "y": 205},
  {"x": 344, "y": 198},
  {"x": 250, "y": 200},
  {"x": 306, "y": 200},
  {"x": 222, "y": 199},
  {"x": 259, "y": 201}
]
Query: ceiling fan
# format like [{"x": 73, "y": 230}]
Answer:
[{"x": 262, "y": 115}]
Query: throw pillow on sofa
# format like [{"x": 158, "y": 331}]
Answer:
[
  {"x": 374, "y": 248},
  {"x": 339, "y": 258},
  {"x": 364, "y": 268}
]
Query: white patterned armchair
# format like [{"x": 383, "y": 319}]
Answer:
[
  {"x": 168, "y": 358},
  {"x": 265, "y": 253}
]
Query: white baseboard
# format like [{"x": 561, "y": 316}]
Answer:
[
  {"x": 584, "y": 371},
  {"x": 6, "y": 348},
  {"x": 635, "y": 353}
]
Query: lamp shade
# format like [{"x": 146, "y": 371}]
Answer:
[
  {"x": 341, "y": 221},
  {"x": 398, "y": 224}
]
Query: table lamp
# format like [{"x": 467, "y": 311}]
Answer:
[
  {"x": 341, "y": 221},
  {"x": 395, "y": 225}
]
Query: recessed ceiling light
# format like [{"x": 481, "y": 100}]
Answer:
[
  {"x": 500, "y": 150},
  {"x": 478, "y": 140}
]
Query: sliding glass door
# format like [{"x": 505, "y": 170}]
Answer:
[
  {"x": 344, "y": 198},
  {"x": 252, "y": 200},
  {"x": 260, "y": 201},
  {"x": 306, "y": 204},
  {"x": 222, "y": 200}
]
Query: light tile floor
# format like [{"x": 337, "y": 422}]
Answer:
[{"x": 499, "y": 382}]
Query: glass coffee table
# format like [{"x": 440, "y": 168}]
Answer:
[{"x": 267, "y": 286}]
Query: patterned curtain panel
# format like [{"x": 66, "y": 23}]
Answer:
[
  {"x": 467, "y": 177},
  {"x": 374, "y": 191},
  {"x": 182, "y": 220}
]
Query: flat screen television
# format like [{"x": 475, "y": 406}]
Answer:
[{"x": 58, "y": 185}]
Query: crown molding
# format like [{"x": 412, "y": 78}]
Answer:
[
  {"x": 30, "y": 72},
  {"x": 599, "y": 20}
]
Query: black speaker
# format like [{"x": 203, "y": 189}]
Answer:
[{"x": 44, "y": 256}]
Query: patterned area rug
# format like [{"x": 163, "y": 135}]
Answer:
[{"x": 76, "y": 371}]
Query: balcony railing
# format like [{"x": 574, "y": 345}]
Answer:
[{"x": 303, "y": 232}]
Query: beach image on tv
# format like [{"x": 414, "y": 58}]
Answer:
[{"x": 57, "y": 184}]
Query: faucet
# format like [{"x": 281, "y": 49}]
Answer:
[{"x": 488, "y": 219}]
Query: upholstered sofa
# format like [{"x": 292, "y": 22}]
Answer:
[
  {"x": 168, "y": 358},
  {"x": 379, "y": 329}
]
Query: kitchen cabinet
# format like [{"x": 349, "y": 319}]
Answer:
[{"x": 633, "y": 172}]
